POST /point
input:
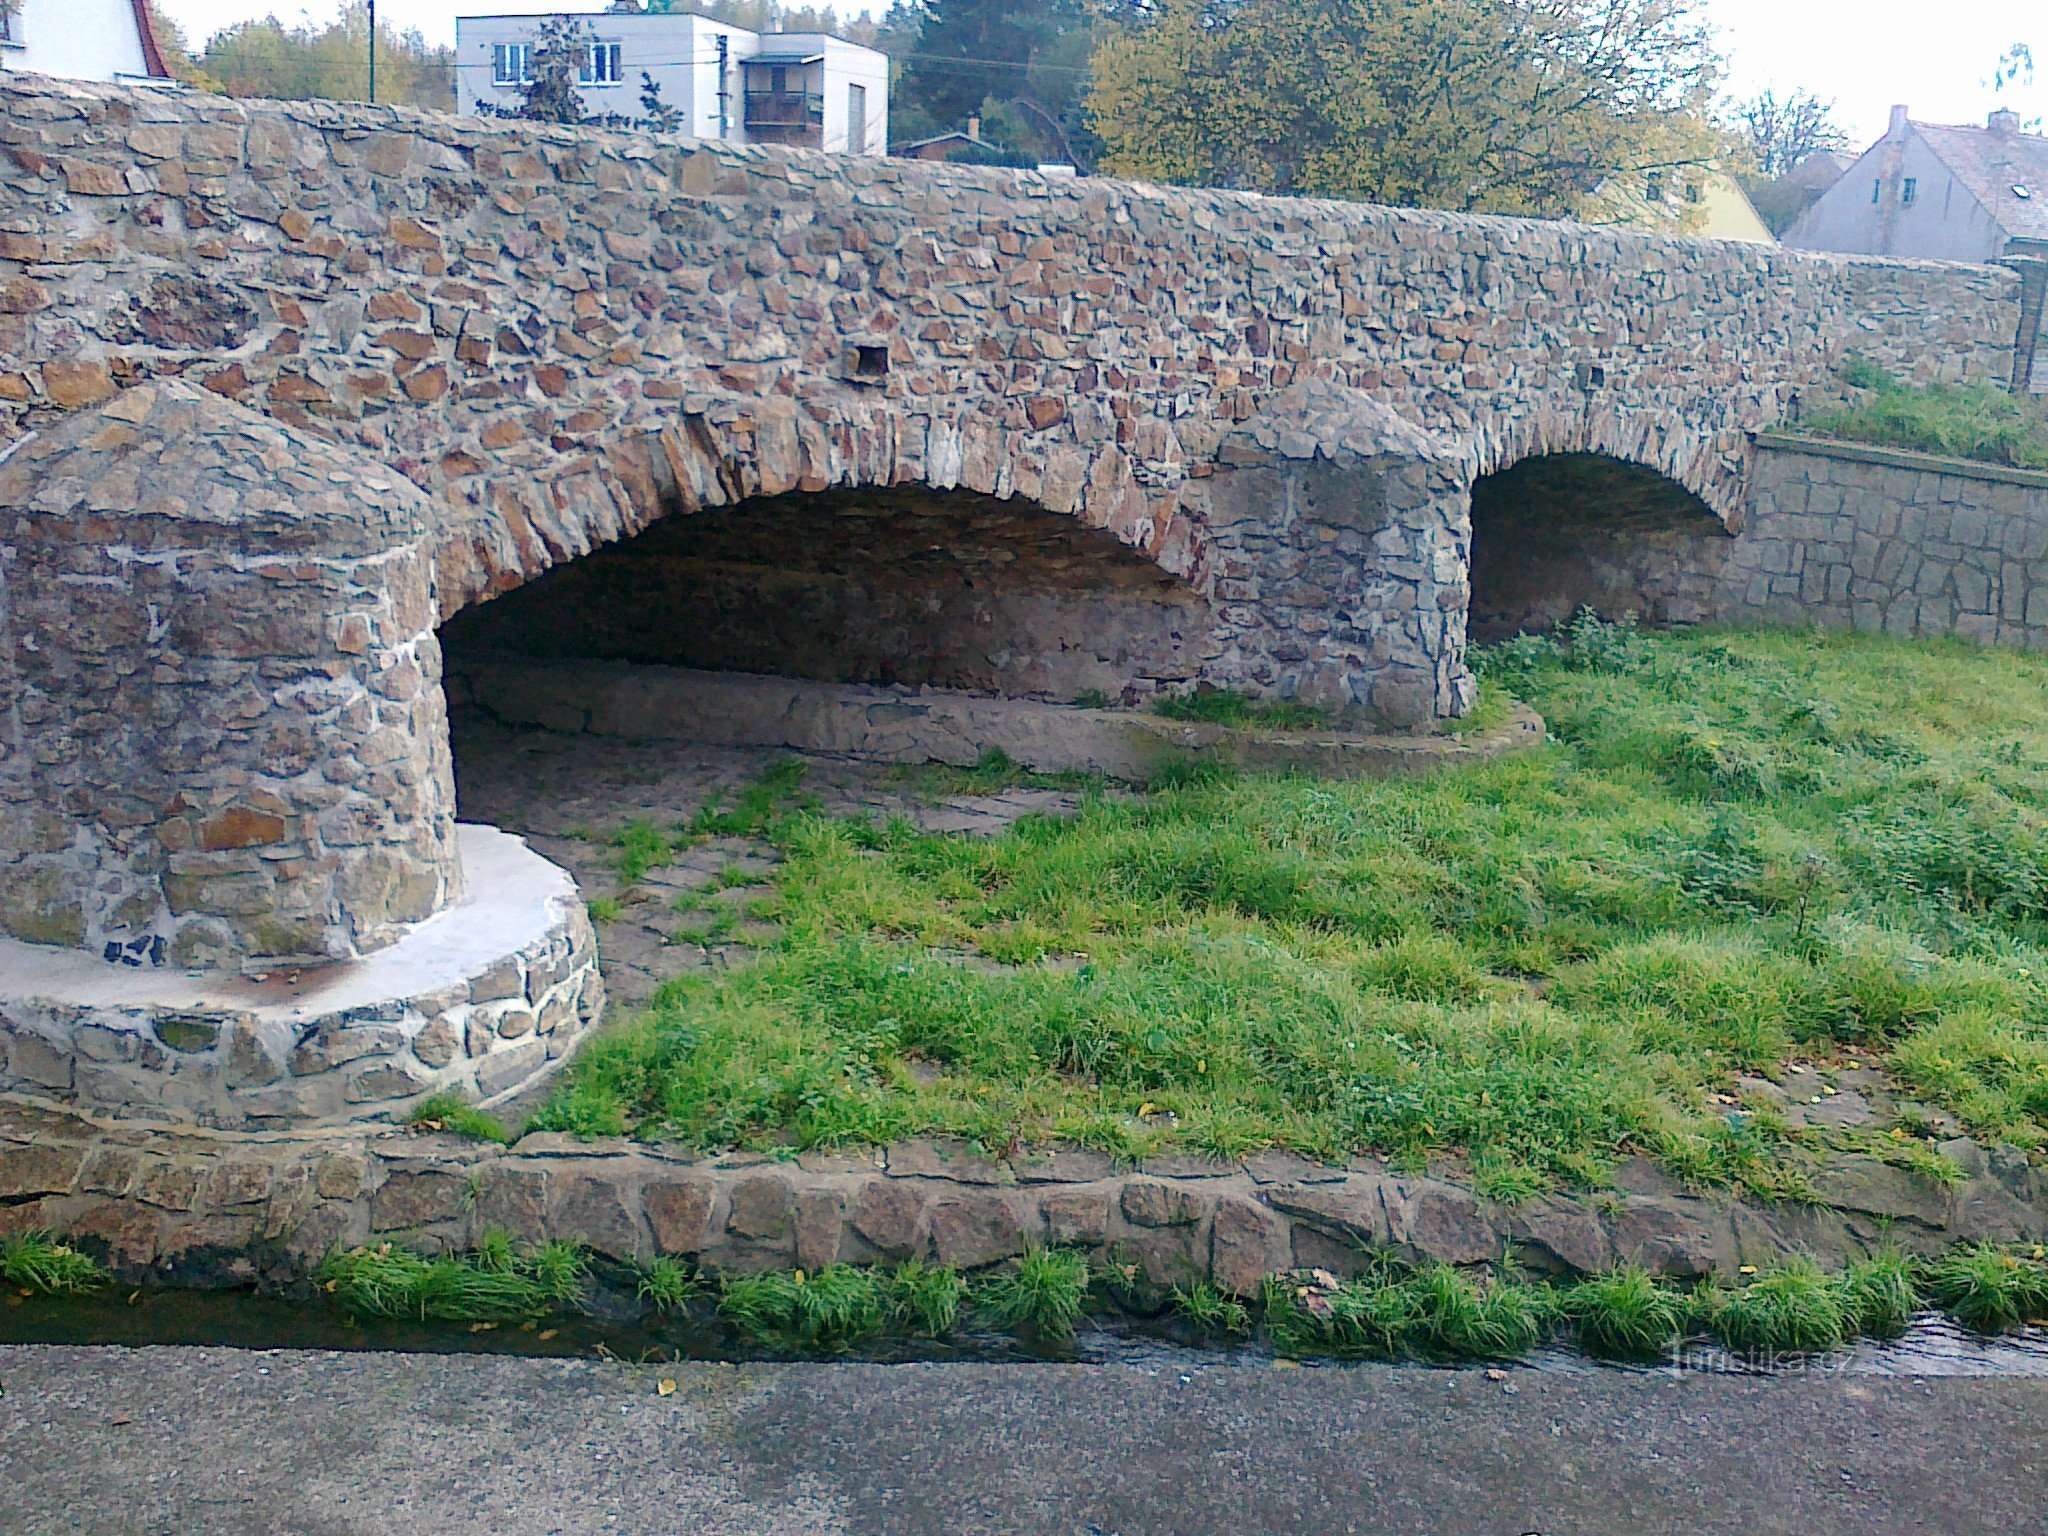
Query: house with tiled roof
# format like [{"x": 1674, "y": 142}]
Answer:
[
  {"x": 1933, "y": 190},
  {"x": 81, "y": 39}
]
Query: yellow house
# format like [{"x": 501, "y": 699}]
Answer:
[{"x": 1684, "y": 200}]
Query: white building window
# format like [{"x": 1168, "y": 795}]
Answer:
[
  {"x": 603, "y": 67},
  {"x": 1909, "y": 189},
  {"x": 10, "y": 29},
  {"x": 508, "y": 64}
]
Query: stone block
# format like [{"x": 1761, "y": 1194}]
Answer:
[
  {"x": 889, "y": 1214},
  {"x": 759, "y": 1207},
  {"x": 418, "y": 1198},
  {"x": 679, "y": 1213},
  {"x": 970, "y": 1231},
  {"x": 597, "y": 1210}
]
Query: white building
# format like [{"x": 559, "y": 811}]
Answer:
[
  {"x": 800, "y": 88},
  {"x": 81, "y": 39}
]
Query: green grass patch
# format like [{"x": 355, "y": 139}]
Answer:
[
  {"x": 668, "y": 1285},
  {"x": 923, "y": 1299},
  {"x": 1989, "y": 1289},
  {"x": 1043, "y": 1295},
  {"x": 1626, "y": 1315},
  {"x": 1795, "y": 1309},
  {"x": 832, "y": 1310},
  {"x": 496, "y": 1283},
  {"x": 1226, "y": 706},
  {"x": 43, "y": 1265},
  {"x": 1976, "y": 421},
  {"x": 1212, "y": 1313},
  {"x": 1740, "y": 849},
  {"x": 447, "y": 1113}
]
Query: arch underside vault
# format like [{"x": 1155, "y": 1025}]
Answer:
[
  {"x": 1564, "y": 531},
  {"x": 901, "y": 586}
]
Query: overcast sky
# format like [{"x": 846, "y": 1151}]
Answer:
[{"x": 1863, "y": 54}]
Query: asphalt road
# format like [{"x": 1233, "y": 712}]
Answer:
[{"x": 216, "y": 1442}]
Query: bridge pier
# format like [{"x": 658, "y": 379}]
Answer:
[{"x": 231, "y": 885}]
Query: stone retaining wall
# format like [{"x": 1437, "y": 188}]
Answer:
[{"x": 196, "y": 1209}]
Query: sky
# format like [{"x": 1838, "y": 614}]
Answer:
[{"x": 1864, "y": 55}]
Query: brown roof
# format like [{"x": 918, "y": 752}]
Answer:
[
  {"x": 2006, "y": 172},
  {"x": 152, "y": 51}
]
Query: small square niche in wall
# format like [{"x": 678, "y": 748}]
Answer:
[
  {"x": 1589, "y": 376},
  {"x": 870, "y": 362}
]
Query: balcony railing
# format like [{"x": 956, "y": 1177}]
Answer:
[{"x": 785, "y": 109}]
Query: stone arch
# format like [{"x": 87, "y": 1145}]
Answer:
[
  {"x": 513, "y": 530},
  {"x": 884, "y": 548},
  {"x": 1712, "y": 467},
  {"x": 1553, "y": 532}
]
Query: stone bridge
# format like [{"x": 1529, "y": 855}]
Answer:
[{"x": 288, "y": 390}]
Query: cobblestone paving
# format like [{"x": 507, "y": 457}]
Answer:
[{"x": 707, "y": 907}]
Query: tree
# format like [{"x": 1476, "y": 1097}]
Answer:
[
  {"x": 266, "y": 58},
  {"x": 554, "y": 65},
  {"x": 1783, "y": 130},
  {"x": 1522, "y": 107},
  {"x": 2015, "y": 71},
  {"x": 983, "y": 57}
]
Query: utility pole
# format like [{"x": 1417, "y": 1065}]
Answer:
[
  {"x": 373, "y": 50},
  {"x": 723, "y": 41}
]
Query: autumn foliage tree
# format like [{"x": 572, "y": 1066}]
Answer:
[{"x": 1507, "y": 106}]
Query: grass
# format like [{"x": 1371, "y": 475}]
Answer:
[
  {"x": 38, "y": 1263},
  {"x": 1210, "y": 1312},
  {"x": 1980, "y": 422},
  {"x": 1795, "y": 1309},
  {"x": 496, "y": 1283},
  {"x": 1044, "y": 1295},
  {"x": 447, "y": 1113},
  {"x": 1741, "y": 851},
  {"x": 1989, "y": 1289},
  {"x": 1226, "y": 706},
  {"x": 924, "y": 1299},
  {"x": 835, "y": 1309},
  {"x": 668, "y": 1285},
  {"x": 1625, "y": 1315}
]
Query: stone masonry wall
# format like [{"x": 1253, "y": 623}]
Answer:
[
  {"x": 197, "y": 1210},
  {"x": 222, "y": 735},
  {"x": 562, "y": 334}
]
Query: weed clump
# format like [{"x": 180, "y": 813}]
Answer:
[
  {"x": 447, "y": 1113},
  {"x": 1795, "y": 1309},
  {"x": 924, "y": 1300},
  {"x": 669, "y": 1285},
  {"x": 38, "y": 1262},
  {"x": 496, "y": 1283},
  {"x": 1625, "y": 1315},
  {"x": 1044, "y": 1295},
  {"x": 1880, "y": 1294},
  {"x": 834, "y": 1310},
  {"x": 1989, "y": 1289}
]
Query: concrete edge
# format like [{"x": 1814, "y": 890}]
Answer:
[{"x": 1898, "y": 458}]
